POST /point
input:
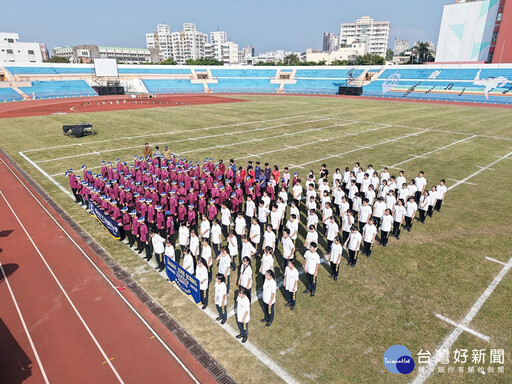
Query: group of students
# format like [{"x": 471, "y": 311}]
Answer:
[{"x": 226, "y": 214}]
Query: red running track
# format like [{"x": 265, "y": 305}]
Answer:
[{"x": 61, "y": 321}]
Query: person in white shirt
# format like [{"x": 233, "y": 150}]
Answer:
[
  {"x": 243, "y": 314},
  {"x": 385, "y": 174},
  {"x": 369, "y": 234},
  {"x": 269, "y": 238},
  {"x": 441, "y": 193},
  {"x": 327, "y": 212},
  {"x": 378, "y": 211},
  {"x": 392, "y": 186},
  {"x": 323, "y": 186},
  {"x": 337, "y": 177},
  {"x": 352, "y": 190},
  {"x": 410, "y": 211},
  {"x": 353, "y": 244},
  {"x": 346, "y": 224},
  {"x": 331, "y": 232},
  {"x": 311, "y": 192},
  {"x": 158, "y": 247},
  {"x": 335, "y": 257},
  {"x": 412, "y": 188},
  {"x": 216, "y": 233},
  {"x": 383, "y": 189},
  {"x": 188, "y": 261},
  {"x": 385, "y": 227},
  {"x": 312, "y": 218},
  {"x": 423, "y": 206},
  {"x": 288, "y": 248},
  {"x": 311, "y": 237},
  {"x": 375, "y": 181},
  {"x": 365, "y": 212},
  {"x": 202, "y": 276},
  {"x": 169, "y": 251},
  {"x": 370, "y": 195},
  {"x": 224, "y": 264},
  {"x": 344, "y": 206},
  {"x": 432, "y": 201},
  {"x": 221, "y": 295},
  {"x": 346, "y": 179},
  {"x": 370, "y": 171},
  {"x": 225, "y": 219},
  {"x": 206, "y": 253},
  {"x": 420, "y": 183},
  {"x": 311, "y": 268},
  {"x": 398, "y": 218},
  {"x": 337, "y": 195},
  {"x": 403, "y": 192},
  {"x": 356, "y": 206},
  {"x": 294, "y": 210},
  {"x": 291, "y": 280},
  {"x": 194, "y": 244},
  {"x": 293, "y": 225},
  {"x": 262, "y": 216},
  {"x": 183, "y": 236},
  {"x": 365, "y": 183},
  {"x": 266, "y": 200},
  {"x": 232, "y": 248},
  {"x": 283, "y": 194},
  {"x": 255, "y": 235},
  {"x": 390, "y": 200},
  {"x": 275, "y": 219},
  {"x": 269, "y": 297},
  {"x": 401, "y": 180},
  {"x": 247, "y": 248},
  {"x": 245, "y": 279},
  {"x": 240, "y": 225},
  {"x": 204, "y": 229},
  {"x": 267, "y": 261},
  {"x": 359, "y": 178},
  {"x": 250, "y": 210},
  {"x": 297, "y": 193},
  {"x": 311, "y": 203}
]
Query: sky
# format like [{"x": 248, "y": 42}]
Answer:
[{"x": 292, "y": 25}]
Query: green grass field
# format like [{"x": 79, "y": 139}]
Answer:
[{"x": 341, "y": 334}]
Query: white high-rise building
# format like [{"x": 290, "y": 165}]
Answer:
[
  {"x": 13, "y": 51},
  {"x": 230, "y": 52},
  {"x": 331, "y": 42},
  {"x": 188, "y": 44},
  {"x": 374, "y": 33},
  {"x": 160, "y": 40},
  {"x": 400, "y": 46},
  {"x": 217, "y": 39}
]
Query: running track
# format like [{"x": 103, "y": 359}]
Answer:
[{"x": 61, "y": 321}]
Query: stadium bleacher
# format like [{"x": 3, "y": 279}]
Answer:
[
  {"x": 9, "y": 94},
  {"x": 56, "y": 89},
  {"x": 155, "y": 86},
  {"x": 49, "y": 70}
]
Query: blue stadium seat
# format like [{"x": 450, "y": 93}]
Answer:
[
  {"x": 9, "y": 94},
  {"x": 57, "y": 89},
  {"x": 155, "y": 86}
]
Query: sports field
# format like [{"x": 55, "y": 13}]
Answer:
[{"x": 446, "y": 284}]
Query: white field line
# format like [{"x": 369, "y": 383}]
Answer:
[
  {"x": 466, "y": 182},
  {"x": 139, "y": 316},
  {"x": 232, "y": 331},
  {"x": 496, "y": 261},
  {"x": 454, "y": 335},
  {"x": 65, "y": 293},
  {"x": 433, "y": 151},
  {"x": 479, "y": 171},
  {"x": 165, "y": 133},
  {"x": 464, "y": 328},
  {"x": 27, "y": 332},
  {"x": 182, "y": 140},
  {"x": 46, "y": 175},
  {"x": 359, "y": 149}
]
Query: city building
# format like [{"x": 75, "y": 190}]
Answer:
[
  {"x": 276, "y": 56},
  {"x": 331, "y": 42},
  {"x": 160, "y": 40},
  {"x": 350, "y": 52},
  {"x": 365, "y": 29},
  {"x": 14, "y": 51},
  {"x": 217, "y": 40},
  {"x": 469, "y": 27},
  {"x": 44, "y": 51},
  {"x": 229, "y": 53},
  {"x": 246, "y": 54},
  {"x": 87, "y": 54},
  {"x": 400, "y": 46},
  {"x": 188, "y": 44}
]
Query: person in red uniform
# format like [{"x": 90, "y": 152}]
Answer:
[{"x": 160, "y": 221}]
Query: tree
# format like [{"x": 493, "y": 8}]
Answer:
[
  {"x": 57, "y": 59},
  {"x": 370, "y": 59},
  {"x": 205, "y": 61},
  {"x": 291, "y": 59},
  {"x": 339, "y": 62},
  {"x": 265, "y": 64},
  {"x": 421, "y": 53},
  {"x": 168, "y": 61},
  {"x": 389, "y": 54}
]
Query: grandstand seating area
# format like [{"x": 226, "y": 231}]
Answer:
[
  {"x": 56, "y": 89},
  {"x": 9, "y": 94},
  {"x": 465, "y": 83}
]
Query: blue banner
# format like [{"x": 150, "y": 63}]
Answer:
[
  {"x": 187, "y": 282},
  {"x": 109, "y": 223}
]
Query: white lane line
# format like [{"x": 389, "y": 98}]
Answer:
[
  {"x": 178, "y": 141},
  {"x": 465, "y": 182},
  {"x": 107, "y": 359},
  {"x": 454, "y": 335},
  {"x": 496, "y": 261},
  {"x": 46, "y": 175},
  {"x": 146, "y": 324},
  {"x": 361, "y": 148},
  {"x": 479, "y": 171},
  {"x": 464, "y": 328},
  {"x": 165, "y": 133},
  {"x": 27, "y": 332}
]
